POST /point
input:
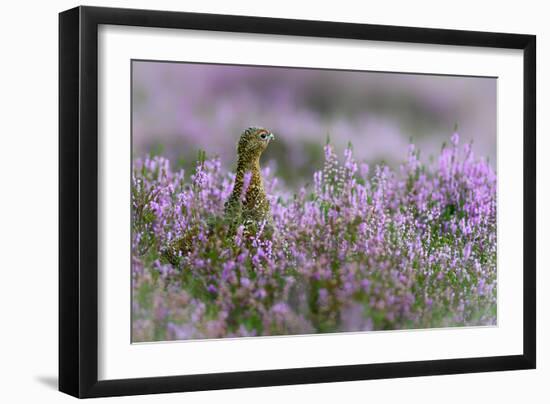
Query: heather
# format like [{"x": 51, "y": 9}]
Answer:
[{"x": 358, "y": 248}]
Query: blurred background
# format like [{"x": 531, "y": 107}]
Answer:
[{"x": 179, "y": 108}]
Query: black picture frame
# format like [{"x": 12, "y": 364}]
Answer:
[{"x": 78, "y": 201}]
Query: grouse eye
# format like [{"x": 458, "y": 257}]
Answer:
[{"x": 263, "y": 135}]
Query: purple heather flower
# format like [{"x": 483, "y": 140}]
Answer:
[{"x": 385, "y": 251}]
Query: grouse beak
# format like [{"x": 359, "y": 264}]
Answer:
[{"x": 271, "y": 136}]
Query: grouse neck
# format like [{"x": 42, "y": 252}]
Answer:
[{"x": 251, "y": 166}]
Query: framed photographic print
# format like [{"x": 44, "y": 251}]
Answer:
[{"x": 251, "y": 201}]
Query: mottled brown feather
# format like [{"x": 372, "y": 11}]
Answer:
[{"x": 249, "y": 207}]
